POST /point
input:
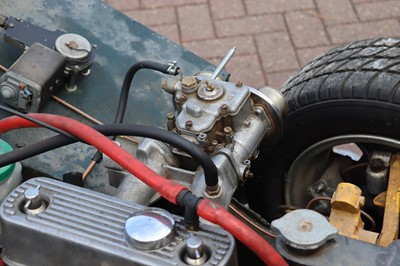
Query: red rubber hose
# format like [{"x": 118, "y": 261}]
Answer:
[
  {"x": 167, "y": 188},
  {"x": 207, "y": 209},
  {"x": 216, "y": 214}
]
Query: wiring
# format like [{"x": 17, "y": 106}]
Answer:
[
  {"x": 210, "y": 170},
  {"x": 250, "y": 221},
  {"x": 168, "y": 189},
  {"x": 126, "y": 85},
  {"x": 123, "y": 99},
  {"x": 366, "y": 215},
  {"x": 38, "y": 122}
]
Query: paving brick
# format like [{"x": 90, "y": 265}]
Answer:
[
  {"x": 247, "y": 69},
  {"x": 169, "y": 31},
  {"x": 255, "y": 7},
  {"x": 306, "y": 29},
  {"x": 217, "y": 48},
  {"x": 276, "y": 80},
  {"x": 249, "y": 25},
  {"x": 381, "y": 10},
  {"x": 123, "y": 5},
  {"x": 225, "y": 9},
  {"x": 153, "y": 17},
  {"x": 195, "y": 29},
  {"x": 305, "y": 55},
  {"x": 336, "y": 12},
  {"x": 364, "y": 1},
  {"x": 276, "y": 52},
  {"x": 352, "y": 32},
  {"x": 164, "y": 3}
]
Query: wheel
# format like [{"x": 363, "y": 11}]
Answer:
[{"x": 349, "y": 95}]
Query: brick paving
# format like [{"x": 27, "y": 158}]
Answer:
[{"x": 273, "y": 37}]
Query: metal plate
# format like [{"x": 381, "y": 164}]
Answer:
[{"x": 120, "y": 43}]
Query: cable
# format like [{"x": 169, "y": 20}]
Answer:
[
  {"x": 250, "y": 221},
  {"x": 168, "y": 189},
  {"x": 215, "y": 213},
  {"x": 210, "y": 170},
  {"x": 366, "y": 215},
  {"x": 38, "y": 122},
  {"x": 126, "y": 85},
  {"x": 314, "y": 200},
  {"x": 87, "y": 116}
]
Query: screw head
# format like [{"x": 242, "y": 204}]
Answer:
[
  {"x": 227, "y": 130},
  {"x": 188, "y": 124}
]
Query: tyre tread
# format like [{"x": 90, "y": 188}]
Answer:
[{"x": 368, "y": 69}]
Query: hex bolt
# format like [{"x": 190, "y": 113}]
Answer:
[
  {"x": 202, "y": 137},
  {"x": 189, "y": 81},
  {"x": 319, "y": 188},
  {"x": 248, "y": 174},
  {"x": 188, "y": 124}
]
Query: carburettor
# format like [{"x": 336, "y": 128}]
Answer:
[{"x": 229, "y": 121}]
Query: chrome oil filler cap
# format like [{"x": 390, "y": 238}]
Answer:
[{"x": 150, "y": 229}]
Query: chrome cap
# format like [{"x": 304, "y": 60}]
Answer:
[{"x": 150, "y": 229}]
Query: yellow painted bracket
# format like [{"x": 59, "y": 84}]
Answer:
[
  {"x": 390, "y": 227},
  {"x": 346, "y": 215}
]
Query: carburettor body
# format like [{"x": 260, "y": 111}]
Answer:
[{"x": 227, "y": 120}]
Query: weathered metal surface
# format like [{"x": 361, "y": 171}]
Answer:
[
  {"x": 390, "y": 227},
  {"x": 120, "y": 43},
  {"x": 346, "y": 215}
]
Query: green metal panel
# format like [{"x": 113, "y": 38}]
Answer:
[{"x": 120, "y": 43}]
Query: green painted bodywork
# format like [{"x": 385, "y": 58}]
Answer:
[{"x": 120, "y": 43}]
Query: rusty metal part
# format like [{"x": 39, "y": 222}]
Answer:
[
  {"x": 346, "y": 214},
  {"x": 390, "y": 227},
  {"x": 380, "y": 200}
]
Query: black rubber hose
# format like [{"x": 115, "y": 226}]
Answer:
[
  {"x": 210, "y": 170},
  {"x": 126, "y": 85}
]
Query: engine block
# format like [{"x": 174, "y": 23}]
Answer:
[{"x": 67, "y": 225}]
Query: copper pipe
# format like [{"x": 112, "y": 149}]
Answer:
[
  {"x": 87, "y": 116},
  {"x": 77, "y": 110},
  {"x": 251, "y": 222},
  {"x": 88, "y": 170},
  {"x": 3, "y": 68}
]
